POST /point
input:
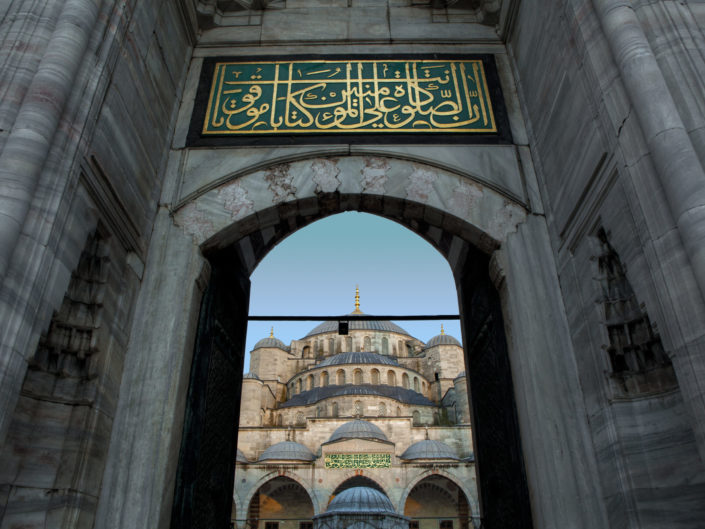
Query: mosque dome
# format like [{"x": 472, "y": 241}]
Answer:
[
  {"x": 357, "y": 500},
  {"x": 358, "y": 429},
  {"x": 356, "y": 324},
  {"x": 442, "y": 339},
  {"x": 240, "y": 457},
  {"x": 360, "y": 357},
  {"x": 287, "y": 450},
  {"x": 429, "y": 450},
  {"x": 271, "y": 341}
]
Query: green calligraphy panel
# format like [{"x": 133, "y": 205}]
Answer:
[
  {"x": 359, "y": 96},
  {"x": 358, "y": 461}
]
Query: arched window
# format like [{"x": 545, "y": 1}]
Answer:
[
  {"x": 280, "y": 420},
  {"x": 398, "y": 411},
  {"x": 340, "y": 377},
  {"x": 416, "y": 418},
  {"x": 402, "y": 349},
  {"x": 310, "y": 384},
  {"x": 423, "y": 386},
  {"x": 375, "y": 376},
  {"x": 300, "y": 419},
  {"x": 307, "y": 351},
  {"x": 405, "y": 381},
  {"x": 385, "y": 346},
  {"x": 368, "y": 344},
  {"x": 391, "y": 378},
  {"x": 358, "y": 408},
  {"x": 331, "y": 346},
  {"x": 357, "y": 377},
  {"x": 324, "y": 379},
  {"x": 382, "y": 409},
  {"x": 417, "y": 387},
  {"x": 348, "y": 344},
  {"x": 298, "y": 386},
  {"x": 335, "y": 409}
]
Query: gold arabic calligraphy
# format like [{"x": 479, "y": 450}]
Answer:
[{"x": 349, "y": 96}]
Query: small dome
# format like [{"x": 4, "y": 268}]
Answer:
[
  {"x": 287, "y": 450},
  {"x": 271, "y": 341},
  {"x": 356, "y": 500},
  {"x": 361, "y": 357},
  {"x": 250, "y": 376},
  {"x": 240, "y": 457},
  {"x": 429, "y": 450},
  {"x": 357, "y": 429},
  {"x": 442, "y": 339}
]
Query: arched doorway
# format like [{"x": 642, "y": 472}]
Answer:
[
  {"x": 240, "y": 246},
  {"x": 436, "y": 502},
  {"x": 281, "y": 503}
]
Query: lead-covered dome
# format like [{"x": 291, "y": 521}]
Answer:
[
  {"x": 361, "y": 357},
  {"x": 271, "y": 341},
  {"x": 442, "y": 339},
  {"x": 429, "y": 449},
  {"x": 358, "y": 325},
  {"x": 356, "y": 500},
  {"x": 287, "y": 450},
  {"x": 357, "y": 429}
]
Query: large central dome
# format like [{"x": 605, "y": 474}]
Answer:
[{"x": 358, "y": 325}]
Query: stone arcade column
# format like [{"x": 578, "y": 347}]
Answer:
[
  {"x": 558, "y": 452},
  {"x": 138, "y": 484}
]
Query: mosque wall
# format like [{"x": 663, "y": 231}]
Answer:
[{"x": 597, "y": 171}]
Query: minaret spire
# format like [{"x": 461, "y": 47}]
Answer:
[
  {"x": 442, "y": 331},
  {"x": 357, "y": 300},
  {"x": 271, "y": 332}
]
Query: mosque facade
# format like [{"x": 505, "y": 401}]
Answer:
[{"x": 376, "y": 410}]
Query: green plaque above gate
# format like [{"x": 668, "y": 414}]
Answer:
[{"x": 349, "y": 96}]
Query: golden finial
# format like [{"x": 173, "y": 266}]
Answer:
[
  {"x": 357, "y": 301},
  {"x": 442, "y": 331},
  {"x": 271, "y": 332}
]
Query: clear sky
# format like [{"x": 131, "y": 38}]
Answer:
[{"x": 315, "y": 270}]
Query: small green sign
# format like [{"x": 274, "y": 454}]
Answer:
[
  {"x": 358, "y": 461},
  {"x": 362, "y": 96}
]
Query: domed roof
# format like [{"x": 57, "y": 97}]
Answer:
[
  {"x": 288, "y": 450},
  {"x": 311, "y": 396},
  {"x": 357, "y": 500},
  {"x": 240, "y": 457},
  {"x": 357, "y": 429},
  {"x": 358, "y": 325},
  {"x": 429, "y": 450},
  {"x": 271, "y": 341},
  {"x": 360, "y": 357},
  {"x": 442, "y": 339}
]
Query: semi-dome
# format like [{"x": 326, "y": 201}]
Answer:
[
  {"x": 312, "y": 396},
  {"x": 429, "y": 449},
  {"x": 287, "y": 450},
  {"x": 361, "y": 357},
  {"x": 442, "y": 339},
  {"x": 240, "y": 457},
  {"x": 356, "y": 500},
  {"x": 357, "y": 429}
]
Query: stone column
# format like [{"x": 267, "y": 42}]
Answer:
[
  {"x": 558, "y": 453},
  {"x": 28, "y": 144},
  {"x": 138, "y": 484},
  {"x": 677, "y": 164}
]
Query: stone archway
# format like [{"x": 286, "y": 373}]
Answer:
[
  {"x": 474, "y": 508},
  {"x": 501, "y": 259},
  {"x": 282, "y": 499}
]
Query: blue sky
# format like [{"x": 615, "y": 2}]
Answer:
[{"x": 315, "y": 270}]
